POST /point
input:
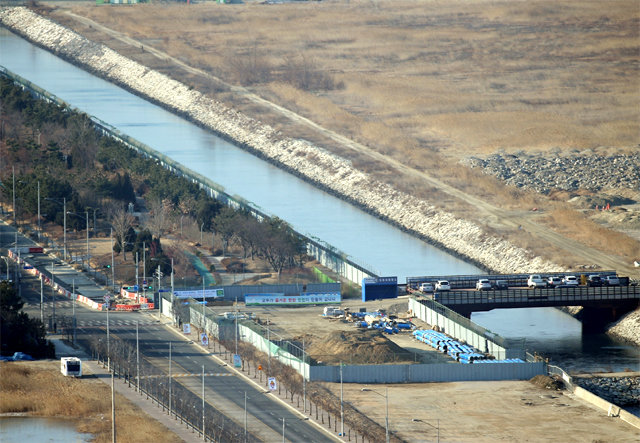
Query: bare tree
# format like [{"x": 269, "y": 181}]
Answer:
[
  {"x": 121, "y": 221},
  {"x": 159, "y": 219}
]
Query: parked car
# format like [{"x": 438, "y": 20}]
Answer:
[
  {"x": 536, "y": 281},
  {"x": 483, "y": 285},
  {"x": 611, "y": 280},
  {"x": 553, "y": 282},
  {"x": 570, "y": 280},
  {"x": 443, "y": 285},
  {"x": 426, "y": 287},
  {"x": 594, "y": 280},
  {"x": 501, "y": 284}
]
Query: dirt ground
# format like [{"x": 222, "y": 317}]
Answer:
[{"x": 505, "y": 411}]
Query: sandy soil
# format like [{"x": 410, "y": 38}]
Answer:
[{"x": 506, "y": 411}]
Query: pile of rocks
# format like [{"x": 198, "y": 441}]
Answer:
[
  {"x": 621, "y": 391},
  {"x": 568, "y": 172}
]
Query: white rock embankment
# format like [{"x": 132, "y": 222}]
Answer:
[
  {"x": 311, "y": 162},
  {"x": 331, "y": 172}
]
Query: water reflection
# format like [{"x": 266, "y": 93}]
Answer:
[{"x": 40, "y": 429}]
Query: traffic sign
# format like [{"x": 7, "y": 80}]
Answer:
[
  {"x": 107, "y": 298},
  {"x": 272, "y": 383}
]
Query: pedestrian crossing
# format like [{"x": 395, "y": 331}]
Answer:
[
  {"x": 210, "y": 374},
  {"x": 115, "y": 322}
]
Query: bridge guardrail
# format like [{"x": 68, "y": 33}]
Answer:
[{"x": 565, "y": 296}]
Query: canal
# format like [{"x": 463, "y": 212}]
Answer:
[{"x": 369, "y": 241}]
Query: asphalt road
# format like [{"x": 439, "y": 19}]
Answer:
[{"x": 225, "y": 392}]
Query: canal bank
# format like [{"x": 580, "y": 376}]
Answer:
[
  {"x": 99, "y": 54},
  {"x": 330, "y": 172}
]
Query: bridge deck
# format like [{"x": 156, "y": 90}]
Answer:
[{"x": 605, "y": 296}]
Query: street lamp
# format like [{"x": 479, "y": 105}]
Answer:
[
  {"x": 64, "y": 205},
  {"x": 437, "y": 427},
  {"x": 386, "y": 401},
  {"x": 87, "y": 223}
]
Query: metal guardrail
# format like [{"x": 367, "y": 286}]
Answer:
[
  {"x": 474, "y": 327},
  {"x": 469, "y": 281},
  {"x": 553, "y": 296},
  {"x": 213, "y": 189}
]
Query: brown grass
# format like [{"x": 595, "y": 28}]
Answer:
[
  {"x": 425, "y": 83},
  {"x": 575, "y": 225},
  {"x": 38, "y": 388}
]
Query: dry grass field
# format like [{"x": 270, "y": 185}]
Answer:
[
  {"x": 38, "y": 388},
  {"x": 423, "y": 83}
]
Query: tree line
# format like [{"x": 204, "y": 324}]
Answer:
[{"x": 59, "y": 152}]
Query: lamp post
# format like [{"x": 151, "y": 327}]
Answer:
[
  {"x": 87, "y": 226},
  {"x": 386, "y": 402},
  {"x": 64, "y": 209},
  {"x": 437, "y": 426}
]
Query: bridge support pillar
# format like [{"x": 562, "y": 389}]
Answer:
[{"x": 595, "y": 319}]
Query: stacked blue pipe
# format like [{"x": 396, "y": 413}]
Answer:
[{"x": 460, "y": 352}]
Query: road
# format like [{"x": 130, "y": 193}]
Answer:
[{"x": 226, "y": 393}]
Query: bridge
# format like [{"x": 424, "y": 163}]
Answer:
[{"x": 601, "y": 305}]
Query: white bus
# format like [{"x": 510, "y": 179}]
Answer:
[{"x": 71, "y": 366}]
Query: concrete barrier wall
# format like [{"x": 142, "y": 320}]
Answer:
[
  {"x": 426, "y": 373},
  {"x": 611, "y": 409}
]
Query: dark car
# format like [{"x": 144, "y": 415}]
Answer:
[
  {"x": 501, "y": 284},
  {"x": 594, "y": 280}
]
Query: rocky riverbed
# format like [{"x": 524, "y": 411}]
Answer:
[
  {"x": 621, "y": 391},
  {"x": 335, "y": 174}
]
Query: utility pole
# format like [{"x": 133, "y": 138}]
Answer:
[
  {"x": 113, "y": 410},
  {"x": 108, "y": 343},
  {"x": 88, "y": 254},
  {"x": 245, "y": 416},
  {"x": 236, "y": 328},
  {"x": 341, "y": 404},
  {"x": 13, "y": 168},
  {"x": 144, "y": 269},
  {"x": 64, "y": 208},
  {"x": 203, "y": 430},
  {"x": 173, "y": 315},
  {"x": 41, "y": 298},
  {"x": 53, "y": 298},
  {"x": 137, "y": 283},
  {"x": 39, "y": 228},
  {"x": 170, "y": 376},
  {"x": 73, "y": 294},
  {"x": 113, "y": 264},
  {"x": 304, "y": 379},
  {"x": 137, "y": 356}
]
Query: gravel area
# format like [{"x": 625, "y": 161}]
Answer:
[{"x": 569, "y": 172}]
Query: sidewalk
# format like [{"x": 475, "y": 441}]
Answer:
[{"x": 93, "y": 368}]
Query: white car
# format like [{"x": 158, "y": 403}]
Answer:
[
  {"x": 536, "y": 281},
  {"x": 443, "y": 285},
  {"x": 553, "y": 282},
  {"x": 611, "y": 280},
  {"x": 426, "y": 287},
  {"x": 570, "y": 280},
  {"x": 483, "y": 285}
]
